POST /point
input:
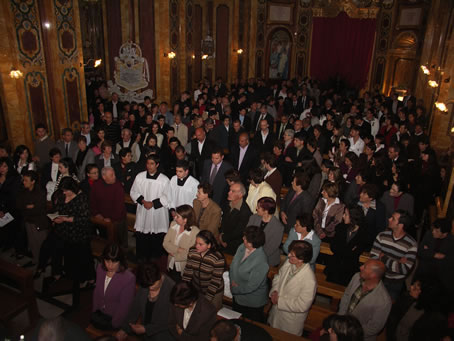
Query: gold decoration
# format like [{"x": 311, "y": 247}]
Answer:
[{"x": 333, "y": 8}]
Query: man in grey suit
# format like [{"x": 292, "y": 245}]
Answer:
[
  {"x": 367, "y": 299},
  {"x": 67, "y": 145},
  {"x": 213, "y": 173}
]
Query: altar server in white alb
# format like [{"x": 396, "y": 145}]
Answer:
[
  {"x": 183, "y": 187},
  {"x": 150, "y": 191}
]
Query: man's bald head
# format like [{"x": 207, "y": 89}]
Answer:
[
  {"x": 200, "y": 134},
  {"x": 373, "y": 269}
]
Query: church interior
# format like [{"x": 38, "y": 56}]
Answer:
[{"x": 53, "y": 53}]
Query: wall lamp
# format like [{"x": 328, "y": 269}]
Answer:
[
  {"x": 441, "y": 106},
  {"x": 170, "y": 55},
  {"x": 15, "y": 74},
  {"x": 425, "y": 70},
  {"x": 96, "y": 62},
  {"x": 205, "y": 56},
  {"x": 239, "y": 51},
  {"x": 433, "y": 84}
]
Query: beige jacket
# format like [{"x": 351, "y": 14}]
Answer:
[
  {"x": 186, "y": 241},
  {"x": 295, "y": 298}
]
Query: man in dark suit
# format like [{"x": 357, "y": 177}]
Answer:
[
  {"x": 112, "y": 128},
  {"x": 201, "y": 149},
  {"x": 115, "y": 107},
  {"x": 297, "y": 201},
  {"x": 273, "y": 176},
  {"x": 50, "y": 170},
  {"x": 213, "y": 173},
  {"x": 281, "y": 126},
  {"x": 235, "y": 133},
  {"x": 85, "y": 131},
  {"x": 221, "y": 133},
  {"x": 68, "y": 147},
  {"x": 245, "y": 120},
  {"x": 374, "y": 211},
  {"x": 264, "y": 138},
  {"x": 294, "y": 106},
  {"x": 262, "y": 116},
  {"x": 234, "y": 219},
  {"x": 244, "y": 156}
]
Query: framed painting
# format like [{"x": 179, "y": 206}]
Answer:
[{"x": 279, "y": 51}]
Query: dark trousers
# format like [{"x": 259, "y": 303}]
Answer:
[
  {"x": 394, "y": 287},
  {"x": 149, "y": 246},
  {"x": 52, "y": 249},
  {"x": 255, "y": 314}
]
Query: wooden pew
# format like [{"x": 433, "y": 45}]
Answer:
[
  {"x": 16, "y": 293},
  {"x": 108, "y": 226}
]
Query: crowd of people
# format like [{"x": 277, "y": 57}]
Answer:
[{"x": 207, "y": 175}]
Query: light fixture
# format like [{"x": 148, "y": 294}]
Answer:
[
  {"x": 170, "y": 55},
  {"x": 205, "y": 56},
  {"x": 96, "y": 62},
  {"x": 425, "y": 70},
  {"x": 47, "y": 24},
  {"x": 239, "y": 51},
  {"x": 433, "y": 84},
  {"x": 400, "y": 98},
  {"x": 193, "y": 56},
  {"x": 441, "y": 106},
  {"x": 16, "y": 74},
  {"x": 452, "y": 130}
]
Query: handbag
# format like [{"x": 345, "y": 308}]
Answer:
[{"x": 101, "y": 320}]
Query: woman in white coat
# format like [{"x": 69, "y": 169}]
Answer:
[{"x": 293, "y": 290}]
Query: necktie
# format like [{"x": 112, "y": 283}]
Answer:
[
  {"x": 213, "y": 174},
  {"x": 67, "y": 149}
]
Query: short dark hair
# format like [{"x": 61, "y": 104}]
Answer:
[
  {"x": 306, "y": 220},
  {"x": 232, "y": 175},
  {"x": 69, "y": 184},
  {"x": 256, "y": 175},
  {"x": 206, "y": 188},
  {"x": 302, "y": 180},
  {"x": 81, "y": 138},
  {"x": 66, "y": 130},
  {"x": 371, "y": 190},
  {"x": 346, "y": 327},
  {"x": 217, "y": 150},
  {"x": 356, "y": 214},
  {"x": 224, "y": 330},
  {"x": 270, "y": 159},
  {"x": 302, "y": 250},
  {"x": 255, "y": 236},
  {"x": 443, "y": 224},
  {"x": 268, "y": 204},
  {"x": 90, "y": 166},
  {"x": 153, "y": 157},
  {"x": 40, "y": 125},
  {"x": 183, "y": 293},
  {"x": 404, "y": 218},
  {"x": 113, "y": 252},
  {"x": 124, "y": 151},
  {"x": 182, "y": 164},
  {"x": 33, "y": 175},
  {"x": 54, "y": 151},
  {"x": 346, "y": 142},
  {"x": 148, "y": 274}
]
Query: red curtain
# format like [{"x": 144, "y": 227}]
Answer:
[{"x": 342, "y": 46}]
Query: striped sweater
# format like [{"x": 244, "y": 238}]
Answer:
[
  {"x": 205, "y": 272},
  {"x": 394, "y": 250}
]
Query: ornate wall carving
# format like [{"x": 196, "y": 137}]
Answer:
[
  {"x": 67, "y": 41},
  {"x": 73, "y": 98},
  {"x": 28, "y": 34},
  {"x": 174, "y": 39},
  {"x": 189, "y": 43},
  {"x": 36, "y": 94},
  {"x": 260, "y": 42}
]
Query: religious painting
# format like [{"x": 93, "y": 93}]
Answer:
[
  {"x": 280, "y": 14},
  {"x": 279, "y": 55},
  {"x": 410, "y": 17}
]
